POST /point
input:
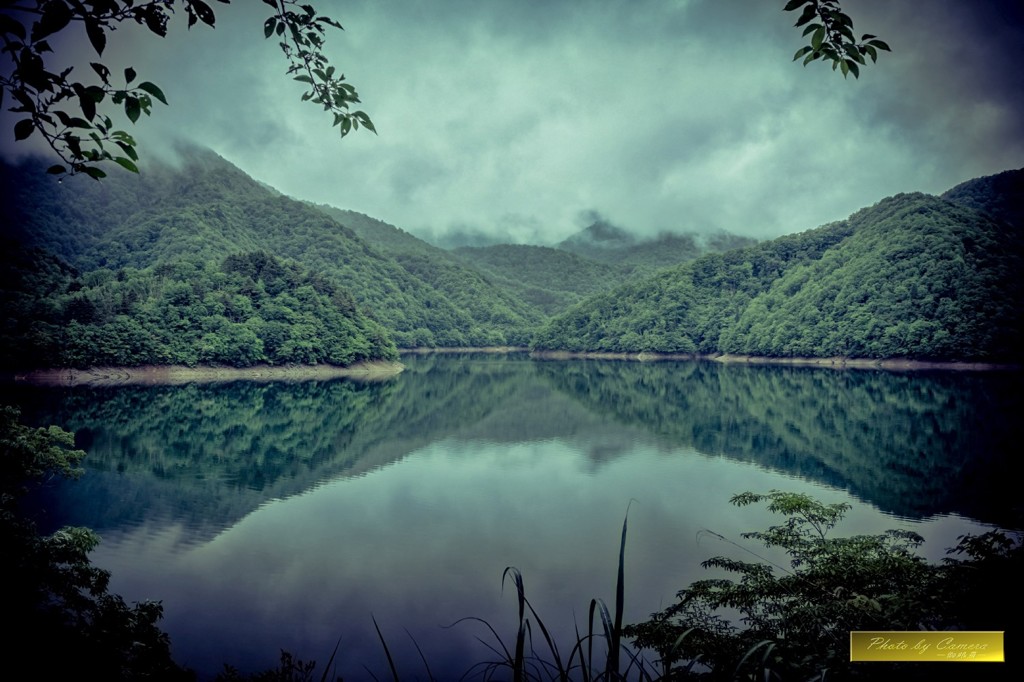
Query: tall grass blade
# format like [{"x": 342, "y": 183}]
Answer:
[
  {"x": 579, "y": 647},
  {"x": 750, "y": 652},
  {"x": 668, "y": 654},
  {"x": 620, "y": 597},
  {"x": 423, "y": 658},
  {"x": 518, "y": 668},
  {"x": 599, "y": 606},
  {"x": 497, "y": 637},
  {"x": 330, "y": 661},
  {"x": 387, "y": 652}
]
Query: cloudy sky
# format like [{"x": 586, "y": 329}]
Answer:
[{"x": 524, "y": 118}]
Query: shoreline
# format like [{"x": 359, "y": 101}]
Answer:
[
  {"x": 891, "y": 364},
  {"x": 157, "y": 375},
  {"x": 377, "y": 370}
]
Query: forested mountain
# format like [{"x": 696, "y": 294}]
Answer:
[
  {"x": 205, "y": 206},
  {"x": 507, "y": 317},
  {"x": 244, "y": 310},
  {"x": 1001, "y": 196},
  {"x": 589, "y": 262},
  {"x": 97, "y": 272},
  {"x": 914, "y": 276},
  {"x": 550, "y": 279}
]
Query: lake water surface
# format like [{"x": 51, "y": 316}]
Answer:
[{"x": 271, "y": 516}]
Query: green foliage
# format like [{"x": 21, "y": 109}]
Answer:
[
  {"x": 66, "y": 112},
  {"x": 301, "y": 33},
  {"x": 66, "y": 620},
  {"x": 546, "y": 278},
  {"x": 793, "y": 622},
  {"x": 912, "y": 277},
  {"x": 208, "y": 209},
  {"x": 832, "y": 37},
  {"x": 248, "y": 309},
  {"x": 481, "y": 308}
]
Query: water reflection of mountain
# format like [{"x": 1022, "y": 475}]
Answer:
[
  {"x": 204, "y": 456},
  {"x": 913, "y": 444}
]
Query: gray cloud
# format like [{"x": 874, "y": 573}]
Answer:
[{"x": 513, "y": 117}]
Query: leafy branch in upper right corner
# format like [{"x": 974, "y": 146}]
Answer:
[{"x": 832, "y": 37}]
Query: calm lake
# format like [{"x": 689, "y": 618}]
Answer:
[{"x": 290, "y": 515}]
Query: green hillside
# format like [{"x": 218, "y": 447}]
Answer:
[
  {"x": 914, "y": 276},
  {"x": 549, "y": 279},
  {"x": 245, "y": 310},
  {"x": 88, "y": 267},
  {"x": 505, "y": 317},
  {"x": 206, "y": 207},
  {"x": 1001, "y": 196},
  {"x": 592, "y": 261}
]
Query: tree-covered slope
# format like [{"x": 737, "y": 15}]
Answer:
[
  {"x": 501, "y": 316},
  {"x": 549, "y": 279},
  {"x": 244, "y": 310},
  {"x": 205, "y": 206},
  {"x": 1000, "y": 195},
  {"x": 683, "y": 309},
  {"x": 914, "y": 276},
  {"x": 591, "y": 261}
]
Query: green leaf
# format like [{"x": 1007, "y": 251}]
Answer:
[
  {"x": 880, "y": 45},
  {"x": 23, "y": 128},
  {"x": 367, "y": 123},
  {"x": 304, "y": 79},
  {"x": 96, "y": 34},
  {"x": 203, "y": 11},
  {"x": 132, "y": 109},
  {"x": 102, "y": 71},
  {"x": 808, "y": 14},
  {"x": 56, "y": 15},
  {"x": 129, "y": 150},
  {"x": 793, "y": 4},
  {"x": 88, "y": 105},
  {"x": 817, "y": 38},
  {"x": 153, "y": 90},
  {"x": 93, "y": 172},
  {"x": 801, "y": 52},
  {"x": 852, "y": 68},
  {"x": 126, "y": 164},
  {"x": 268, "y": 27},
  {"x": 330, "y": 22},
  {"x": 56, "y": 170},
  {"x": 129, "y": 75}
]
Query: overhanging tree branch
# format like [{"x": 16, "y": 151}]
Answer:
[{"x": 65, "y": 112}]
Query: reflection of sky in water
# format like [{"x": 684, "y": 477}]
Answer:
[{"x": 423, "y": 542}]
